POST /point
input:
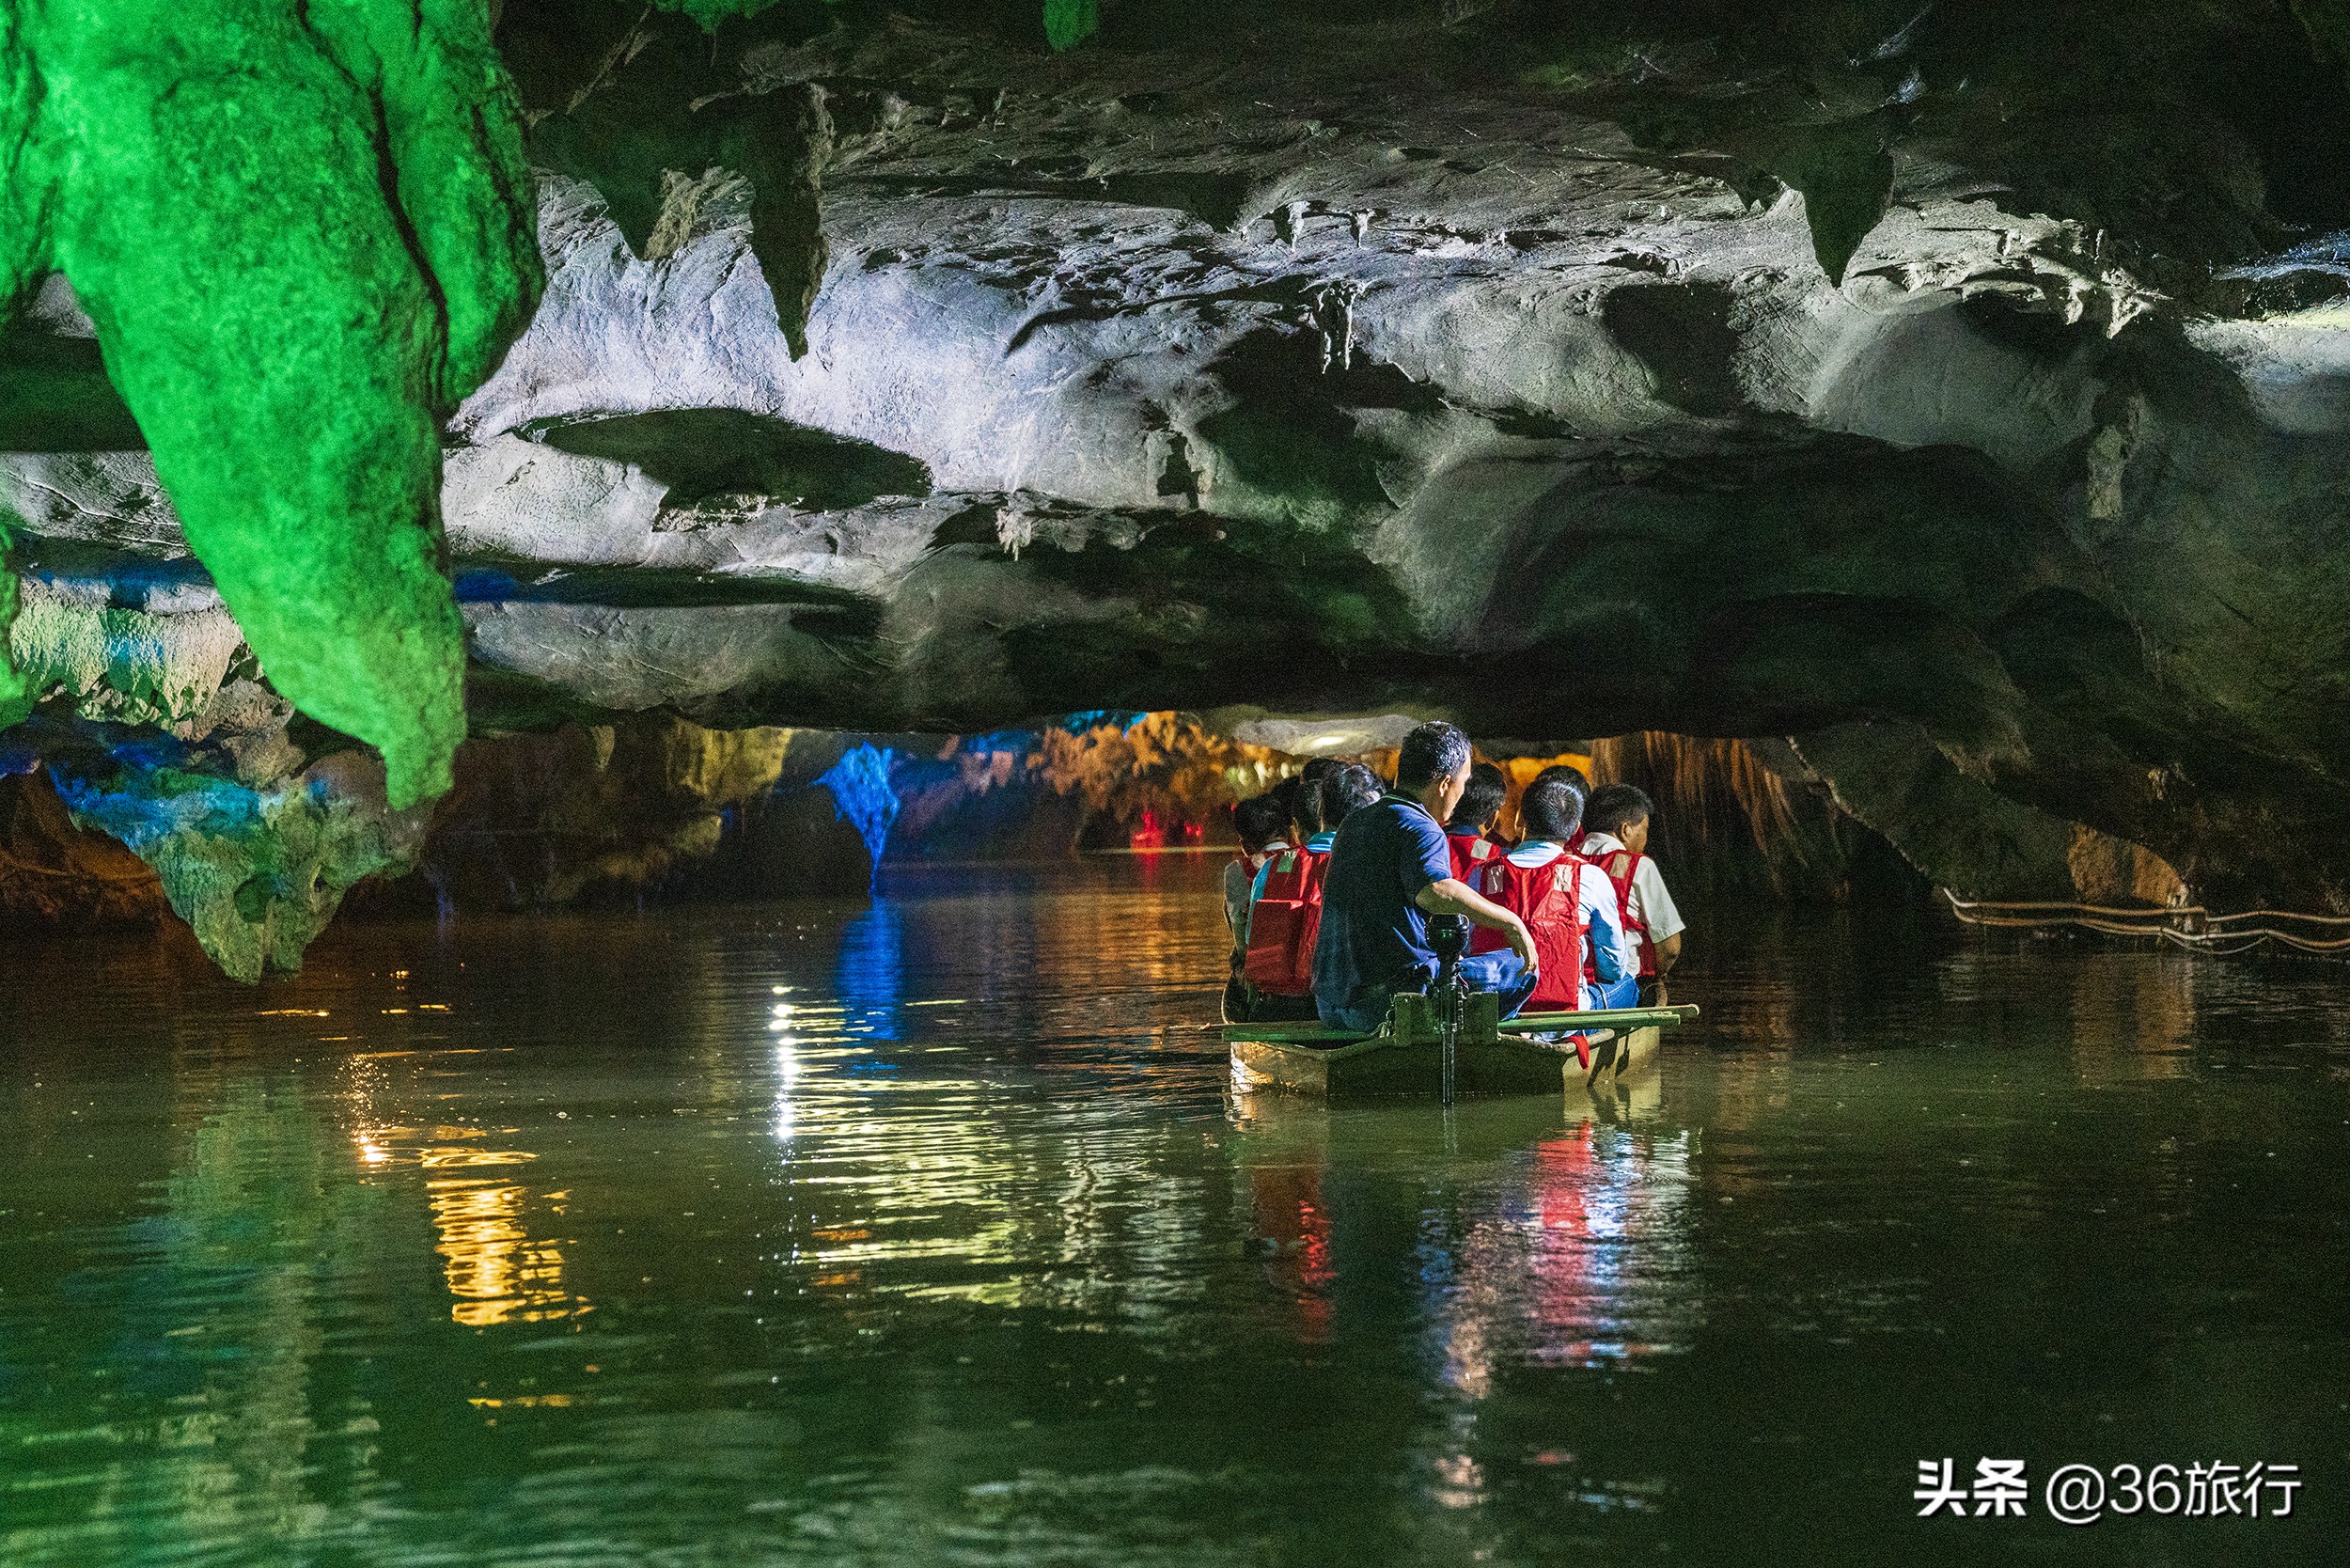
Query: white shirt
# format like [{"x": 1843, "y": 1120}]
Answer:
[
  {"x": 1613, "y": 948},
  {"x": 1650, "y": 904}
]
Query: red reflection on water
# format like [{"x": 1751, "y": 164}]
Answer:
[
  {"x": 1564, "y": 1175},
  {"x": 1154, "y": 834},
  {"x": 1289, "y": 1213}
]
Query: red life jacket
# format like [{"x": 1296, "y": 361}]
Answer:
[
  {"x": 1620, "y": 867},
  {"x": 1470, "y": 850},
  {"x": 1548, "y": 899},
  {"x": 1252, "y": 861},
  {"x": 1284, "y": 924}
]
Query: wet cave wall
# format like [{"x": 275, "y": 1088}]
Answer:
[{"x": 1947, "y": 403}]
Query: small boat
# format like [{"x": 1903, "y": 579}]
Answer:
[{"x": 1405, "y": 1060}]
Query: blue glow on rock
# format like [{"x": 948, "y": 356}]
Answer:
[{"x": 860, "y": 789}]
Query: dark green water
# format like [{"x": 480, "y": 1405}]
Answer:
[{"x": 929, "y": 1232}]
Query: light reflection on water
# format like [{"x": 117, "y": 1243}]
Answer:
[{"x": 929, "y": 1231}]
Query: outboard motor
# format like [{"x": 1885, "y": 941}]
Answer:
[{"x": 1449, "y": 934}]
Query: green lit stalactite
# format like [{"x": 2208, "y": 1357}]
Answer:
[
  {"x": 304, "y": 233},
  {"x": 1069, "y": 23}
]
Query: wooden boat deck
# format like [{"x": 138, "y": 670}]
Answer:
[{"x": 1406, "y": 1060}]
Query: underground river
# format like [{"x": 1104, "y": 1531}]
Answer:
[{"x": 929, "y": 1230}]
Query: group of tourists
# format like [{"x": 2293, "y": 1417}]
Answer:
[{"x": 1341, "y": 873}]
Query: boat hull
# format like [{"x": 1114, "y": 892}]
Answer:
[
  {"x": 1407, "y": 1060},
  {"x": 1384, "y": 1067}
]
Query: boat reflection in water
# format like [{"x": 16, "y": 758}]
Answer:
[{"x": 1545, "y": 1235}]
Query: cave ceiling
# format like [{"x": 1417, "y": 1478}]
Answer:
[{"x": 1960, "y": 386}]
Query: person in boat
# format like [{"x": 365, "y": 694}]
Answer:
[
  {"x": 1391, "y": 869},
  {"x": 1589, "y": 958},
  {"x": 1333, "y": 789},
  {"x": 1568, "y": 775},
  {"x": 1470, "y": 831},
  {"x": 1263, "y": 824},
  {"x": 1275, "y": 973},
  {"x": 1348, "y": 789},
  {"x": 1618, "y": 821},
  {"x": 1300, "y": 791}
]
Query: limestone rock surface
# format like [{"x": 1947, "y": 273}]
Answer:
[{"x": 1960, "y": 398}]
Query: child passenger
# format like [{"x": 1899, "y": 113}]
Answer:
[
  {"x": 1263, "y": 823},
  {"x": 1588, "y": 959},
  {"x": 1617, "y": 844},
  {"x": 1568, "y": 775},
  {"x": 1469, "y": 832}
]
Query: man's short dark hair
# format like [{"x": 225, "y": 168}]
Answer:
[
  {"x": 1567, "y": 773},
  {"x": 1615, "y": 808},
  {"x": 1261, "y": 819},
  {"x": 1435, "y": 750},
  {"x": 1550, "y": 808},
  {"x": 1349, "y": 789},
  {"x": 1480, "y": 803},
  {"x": 1307, "y": 802}
]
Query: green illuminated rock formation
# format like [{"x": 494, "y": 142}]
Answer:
[
  {"x": 304, "y": 231},
  {"x": 254, "y": 872}
]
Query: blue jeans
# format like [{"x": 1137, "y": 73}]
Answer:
[
  {"x": 1502, "y": 973},
  {"x": 1623, "y": 993}
]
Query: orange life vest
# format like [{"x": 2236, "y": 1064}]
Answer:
[
  {"x": 1284, "y": 924},
  {"x": 1548, "y": 899}
]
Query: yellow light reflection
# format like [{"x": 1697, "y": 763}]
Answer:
[
  {"x": 496, "y": 1272},
  {"x": 441, "y": 1159}
]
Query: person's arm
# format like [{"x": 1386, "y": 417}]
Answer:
[
  {"x": 1612, "y": 952},
  {"x": 1657, "y": 913},
  {"x": 1451, "y": 895}
]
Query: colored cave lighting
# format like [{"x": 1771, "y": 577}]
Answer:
[
  {"x": 301, "y": 237},
  {"x": 1156, "y": 835}
]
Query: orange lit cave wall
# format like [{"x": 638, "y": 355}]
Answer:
[
  {"x": 1146, "y": 781},
  {"x": 1157, "y": 780}
]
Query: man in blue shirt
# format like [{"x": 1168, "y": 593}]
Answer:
[{"x": 1391, "y": 869}]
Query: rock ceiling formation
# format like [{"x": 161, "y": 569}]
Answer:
[{"x": 1956, "y": 391}]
